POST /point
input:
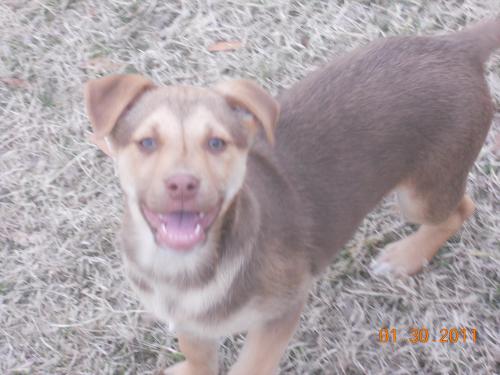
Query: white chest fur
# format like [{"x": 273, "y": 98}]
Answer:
[{"x": 185, "y": 308}]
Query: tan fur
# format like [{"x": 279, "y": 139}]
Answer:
[
  {"x": 107, "y": 98},
  {"x": 177, "y": 153},
  {"x": 201, "y": 357},
  {"x": 266, "y": 344},
  {"x": 409, "y": 255}
]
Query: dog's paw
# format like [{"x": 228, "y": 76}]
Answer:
[
  {"x": 186, "y": 368},
  {"x": 379, "y": 267},
  {"x": 400, "y": 258}
]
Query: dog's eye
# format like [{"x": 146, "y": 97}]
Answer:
[
  {"x": 216, "y": 144},
  {"x": 147, "y": 144}
]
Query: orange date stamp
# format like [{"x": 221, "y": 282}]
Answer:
[{"x": 422, "y": 335}]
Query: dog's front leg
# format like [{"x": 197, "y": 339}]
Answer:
[
  {"x": 266, "y": 344},
  {"x": 201, "y": 357}
]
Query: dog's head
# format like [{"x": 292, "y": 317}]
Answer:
[{"x": 180, "y": 151}]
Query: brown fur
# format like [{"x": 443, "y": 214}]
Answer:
[
  {"x": 255, "y": 100},
  {"x": 407, "y": 114}
]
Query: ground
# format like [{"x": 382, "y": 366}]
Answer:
[{"x": 65, "y": 307}]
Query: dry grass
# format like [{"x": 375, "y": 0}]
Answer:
[{"x": 64, "y": 305}]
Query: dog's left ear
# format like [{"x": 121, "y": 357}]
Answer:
[
  {"x": 107, "y": 98},
  {"x": 259, "y": 107}
]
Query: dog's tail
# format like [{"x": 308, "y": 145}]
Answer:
[{"x": 482, "y": 39}]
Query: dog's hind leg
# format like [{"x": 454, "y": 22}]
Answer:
[{"x": 441, "y": 213}]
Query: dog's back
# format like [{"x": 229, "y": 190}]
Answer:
[{"x": 367, "y": 122}]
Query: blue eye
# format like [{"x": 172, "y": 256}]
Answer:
[
  {"x": 148, "y": 144},
  {"x": 216, "y": 144}
]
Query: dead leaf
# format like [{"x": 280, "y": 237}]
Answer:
[
  {"x": 102, "y": 63},
  {"x": 223, "y": 46},
  {"x": 305, "y": 41},
  {"x": 14, "y": 82}
]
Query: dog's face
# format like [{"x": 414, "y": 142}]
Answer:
[
  {"x": 182, "y": 159},
  {"x": 181, "y": 151}
]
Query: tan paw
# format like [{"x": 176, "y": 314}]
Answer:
[
  {"x": 186, "y": 368},
  {"x": 402, "y": 258}
]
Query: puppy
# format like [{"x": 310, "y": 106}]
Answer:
[{"x": 236, "y": 201}]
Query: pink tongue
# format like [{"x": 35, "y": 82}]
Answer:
[
  {"x": 180, "y": 230},
  {"x": 181, "y": 222}
]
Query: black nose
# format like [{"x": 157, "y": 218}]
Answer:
[{"x": 182, "y": 186}]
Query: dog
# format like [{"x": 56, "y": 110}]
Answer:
[{"x": 236, "y": 201}]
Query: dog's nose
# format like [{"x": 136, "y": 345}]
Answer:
[{"x": 182, "y": 186}]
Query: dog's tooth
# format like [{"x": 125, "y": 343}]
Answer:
[{"x": 197, "y": 230}]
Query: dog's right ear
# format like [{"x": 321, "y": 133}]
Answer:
[{"x": 107, "y": 98}]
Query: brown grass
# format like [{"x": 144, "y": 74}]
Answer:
[{"x": 64, "y": 305}]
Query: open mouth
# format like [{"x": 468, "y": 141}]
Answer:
[{"x": 180, "y": 230}]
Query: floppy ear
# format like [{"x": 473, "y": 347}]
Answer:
[
  {"x": 107, "y": 98},
  {"x": 242, "y": 94}
]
